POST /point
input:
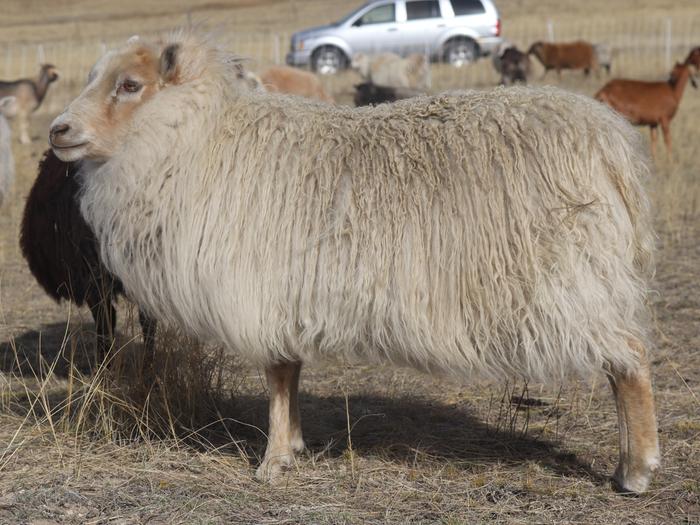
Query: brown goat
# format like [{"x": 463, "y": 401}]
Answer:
[
  {"x": 570, "y": 55},
  {"x": 650, "y": 103},
  {"x": 285, "y": 79}
]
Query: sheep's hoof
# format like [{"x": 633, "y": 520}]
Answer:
[
  {"x": 298, "y": 445},
  {"x": 273, "y": 465},
  {"x": 634, "y": 481}
]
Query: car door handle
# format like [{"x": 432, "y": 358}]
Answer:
[
  {"x": 392, "y": 29},
  {"x": 442, "y": 25}
]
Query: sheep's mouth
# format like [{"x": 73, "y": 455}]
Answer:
[{"x": 69, "y": 146}]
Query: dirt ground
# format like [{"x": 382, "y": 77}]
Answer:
[{"x": 385, "y": 445}]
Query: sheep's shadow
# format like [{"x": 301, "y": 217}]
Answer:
[
  {"x": 34, "y": 352},
  {"x": 394, "y": 429},
  {"x": 405, "y": 429}
]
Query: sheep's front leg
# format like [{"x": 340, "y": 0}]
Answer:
[
  {"x": 639, "y": 445},
  {"x": 284, "y": 433}
]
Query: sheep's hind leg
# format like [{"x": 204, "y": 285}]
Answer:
[
  {"x": 284, "y": 434},
  {"x": 639, "y": 445}
]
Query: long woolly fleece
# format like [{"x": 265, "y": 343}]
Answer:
[{"x": 504, "y": 232}]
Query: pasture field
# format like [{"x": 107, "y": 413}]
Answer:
[{"x": 385, "y": 445}]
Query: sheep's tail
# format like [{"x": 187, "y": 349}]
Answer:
[{"x": 629, "y": 171}]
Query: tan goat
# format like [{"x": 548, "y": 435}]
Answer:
[
  {"x": 29, "y": 94},
  {"x": 285, "y": 79}
]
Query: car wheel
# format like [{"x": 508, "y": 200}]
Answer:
[
  {"x": 328, "y": 60},
  {"x": 460, "y": 53}
]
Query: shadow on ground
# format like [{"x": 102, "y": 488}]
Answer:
[
  {"x": 403, "y": 430},
  {"x": 32, "y": 353}
]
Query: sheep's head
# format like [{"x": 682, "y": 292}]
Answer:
[{"x": 96, "y": 122}]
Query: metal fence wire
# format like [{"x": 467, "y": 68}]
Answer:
[{"x": 642, "y": 47}]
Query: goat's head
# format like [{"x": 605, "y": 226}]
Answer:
[
  {"x": 693, "y": 58},
  {"x": 535, "y": 48},
  {"x": 50, "y": 71},
  {"x": 677, "y": 73}
]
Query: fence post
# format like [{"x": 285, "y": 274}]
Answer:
[
  {"x": 429, "y": 80},
  {"x": 276, "y": 44},
  {"x": 668, "y": 43},
  {"x": 8, "y": 62},
  {"x": 23, "y": 62},
  {"x": 40, "y": 55},
  {"x": 550, "y": 30}
]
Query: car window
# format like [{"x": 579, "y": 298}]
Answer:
[
  {"x": 467, "y": 7},
  {"x": 379, "y": 15},
  {"x": 422, "y": 9}
]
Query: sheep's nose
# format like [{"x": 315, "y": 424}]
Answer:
[{"x": 58, "y": 130}]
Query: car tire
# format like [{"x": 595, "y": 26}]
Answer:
[
  {"x": 460, "y": 52},
  {"x": 328, "y": 60}
]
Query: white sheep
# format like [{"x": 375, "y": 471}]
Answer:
[
  {"x": 390, "y": 70},
  {"x": 8, "y": 109},
  {"x": 502, "y": 232}
]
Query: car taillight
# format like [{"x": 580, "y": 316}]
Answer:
[{"x": 498, "y": 27}]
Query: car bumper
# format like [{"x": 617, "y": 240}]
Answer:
[
  {"x": 489, "y": 44},
  {"x": 298, "y": 58}
]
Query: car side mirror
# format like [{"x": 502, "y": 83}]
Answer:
[{"x": 357, "y": 23}]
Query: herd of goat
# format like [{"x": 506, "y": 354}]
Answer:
[{"x": 383, "y": 200}]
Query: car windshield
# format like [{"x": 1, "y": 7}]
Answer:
[{"x": 349, "y": 16}]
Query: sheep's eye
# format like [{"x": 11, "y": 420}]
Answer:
[{"x": 130, "y": 86}]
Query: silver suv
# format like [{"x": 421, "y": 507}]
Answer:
[{"x": 456, "y": 31}]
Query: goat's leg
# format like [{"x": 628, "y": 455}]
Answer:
[
  {"x": 105, "y": 316},
  {"x": 652, "y": 132},
  {"x": 639, "y": 445},
  {"x": 23, "y": 120},
  {"x": 666, "y": 130},
  {"x": 284, "y": 433}
]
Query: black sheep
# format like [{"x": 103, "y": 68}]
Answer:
[
  {"x": 63, "y": 254},
  {"x": 370, "y": 94}
]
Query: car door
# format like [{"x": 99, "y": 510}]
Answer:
[
  {"x": 374, "y": 30},
  {"x": 422, "y": 28}
]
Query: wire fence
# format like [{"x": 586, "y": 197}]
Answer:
[{"x": 642, "y": 47}]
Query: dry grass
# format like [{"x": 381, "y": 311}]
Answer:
[{"x": 385, "y": 445}]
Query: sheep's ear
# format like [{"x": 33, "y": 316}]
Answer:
[{"x": 168, "y": 62}]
